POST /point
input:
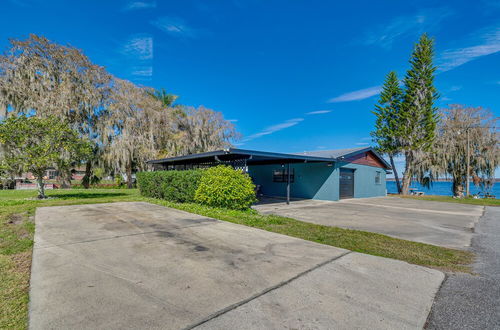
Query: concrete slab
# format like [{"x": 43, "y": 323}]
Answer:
[
  {"x": 138, "y": 265},
  {"x": 357, "y": 291},
  {"x": 437, "y": 223}
]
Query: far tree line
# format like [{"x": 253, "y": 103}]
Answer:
[
  {"x": 121, "y": 124},
  {"x": 460, "y": 142}
]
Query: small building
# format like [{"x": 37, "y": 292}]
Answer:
[{"x": 324, "y": 175}]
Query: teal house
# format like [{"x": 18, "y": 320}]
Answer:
[{"x": 325, "y": 175}]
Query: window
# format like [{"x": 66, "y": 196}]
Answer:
[
  {"x": 378, "y": 178},
  {"x": 281, "y": 175}
]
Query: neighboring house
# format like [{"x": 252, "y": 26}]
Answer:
[
  {"x": 325, "y": 175},
  {"x": 53, "y": 174},
  {"x": 78, "y": 173},
  {"x": 50, "y": 174}
]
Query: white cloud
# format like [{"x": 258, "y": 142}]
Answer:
[
  {"x": 362, "y": 143},
  {"x": 139, "y": 47},
  {"x": 174, "y": 26},
  {"x": 356, "y": 95},
  {"x": 233, "y": 120},
  {"x": 143, "y": 71},
  {"x": 134, "y": 5},
  {"x": 319, "y": 112},
  {"x": 404, "y": 26},
  {"x": 452, "y": 58},
  {"x": 137, "y": 56},
  {"x": 455, "y": 88},
  {"x": 274, "y": 128}
]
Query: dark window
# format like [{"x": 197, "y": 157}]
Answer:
[
  {"x": 51, "y": 174},
  {"x": 281, "y": 175},
  {"x": 378, "y": 178}
]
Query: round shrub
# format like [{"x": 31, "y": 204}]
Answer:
[{"x": 223, "y": 186}]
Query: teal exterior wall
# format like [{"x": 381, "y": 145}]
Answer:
[
  {"x": 318, "y": 180},
  {"x": 364, "y": 180}
]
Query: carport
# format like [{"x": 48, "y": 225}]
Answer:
[{"x": 239, "y": 158}]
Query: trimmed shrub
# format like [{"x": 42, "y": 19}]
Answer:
[
  {"x": 223, "y": 186},
  {"x": 175, "y": 186}
]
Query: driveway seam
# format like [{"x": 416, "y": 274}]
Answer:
[{"x": 265, "y": 291}]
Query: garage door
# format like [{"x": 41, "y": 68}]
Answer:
[{"x": 346, "y": 183}]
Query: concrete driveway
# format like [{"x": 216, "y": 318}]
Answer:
[
  {"x": 137, "y": 265},
  {"x": 437, "y": 223}
]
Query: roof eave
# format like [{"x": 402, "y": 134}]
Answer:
[
  {"x": 244, "y": 152},
  {"x": 386, "y": 164}
]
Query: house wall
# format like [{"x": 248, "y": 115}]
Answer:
[
  {"x": 364, "y": 180},
  {"x": 312, "y": 180},
  {"x": 319, "y": 181}
]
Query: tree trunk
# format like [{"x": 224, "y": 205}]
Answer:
[
  {"x": 458, "y": 188},
  {"x": 129, "y": 177},
  {"x": 396, "y": 176},
  {"x": 88, "y": 173},
  {"x": 65, "y": 178},
  {"x": 407, "y": 175},
  {"x": 41, "y": 187}
]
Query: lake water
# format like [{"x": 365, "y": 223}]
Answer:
[{"x": 441, "y": 188}]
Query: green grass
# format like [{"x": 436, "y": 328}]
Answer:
[
  {"x": 16, "y": 241},
  {"x": 449, "y": 199},
  {"x": 17, "y": 229},
  {"x": 355, "y": 240}
]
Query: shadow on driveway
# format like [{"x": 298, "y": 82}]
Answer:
[{"x": 138, "y": 265}]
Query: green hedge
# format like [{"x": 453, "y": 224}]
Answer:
[
  {"x": 220, "y": 186},
  {"x": 223, "y": 186},
  {"x": 175, "y": 186}
]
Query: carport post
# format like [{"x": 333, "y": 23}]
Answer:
[{"x": 288, "y": 184}]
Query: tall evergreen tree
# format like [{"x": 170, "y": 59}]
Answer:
[
  {"x": 418, "y": 115},
  {"x": 387, "y": 125}
]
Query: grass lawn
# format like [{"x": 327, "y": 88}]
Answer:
[
  {"x": 17, "y": 229},
  {"x": 16, "y": 241},
  {"x": 449, "y": 199}
]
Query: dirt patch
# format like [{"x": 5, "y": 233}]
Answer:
[{"x": 16, "y": 218}]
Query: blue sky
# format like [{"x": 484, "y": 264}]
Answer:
[{"x": 292, "y": 75}]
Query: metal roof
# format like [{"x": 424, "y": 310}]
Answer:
[
  {"x": 340, "y": 154},
  {"x": 253, "y": 156},
  {"x": 264, "y": 157},
  {"x": 337, "y": 153}
]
